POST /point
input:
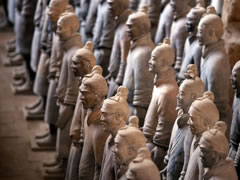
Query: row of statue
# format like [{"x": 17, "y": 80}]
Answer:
[{"x": 119, "y": 107}]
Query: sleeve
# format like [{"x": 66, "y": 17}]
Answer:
[
  {"x": 56, "y": 56},
  {"x": 165, "y": 120},
  {"x": 76, "y": 125},
  {"x": 44, "y": 33},
  {"x": 108, "y": 29},
  {"x": 91, "y": 17},
  {"x": 151, "y": 120},
  {"x": 38, "y": 13},
  {"x": 128, "y": 80},
  {"x": 219, "y": 83},
  {"x": 125, "y": 47},
  {"x": 235, "y": 127},
  {"x": 180, "y": 42},
  {"x": 72, "y": 86}
]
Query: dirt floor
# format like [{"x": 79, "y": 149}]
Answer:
[{"x": 17, "y": 160}]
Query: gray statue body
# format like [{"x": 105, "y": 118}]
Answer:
[
  {"x": 153, "y": 13},
  {"x": 164, "y": 24},
  {"x": 178, "y": 30},
  {"x": 25, "y": 25},
  {"x": 178, "y": 37},
  {"x": 103, "y": 35},
  {"x": 193, "y": 54},
  {"x": 52, "y": 110},
  {"x": 91, "y": 19},
  {"x": 137, "y": 78},
  {"x": 119, "y": 39},
  {"x": 38, "y": 22},
  {"x": 67, "y": 90},
  {"x": 67, "y": 95},
  {"x": 11, "y": 10},
  {"x": 49, "y": 70},
  {"x": 234, "y": 133},
  {"x": 215, "y": 66},
  {"x": 119, "y": 53},
  {"x": 176, "y": 151},
  {"x": 215, "y": 73},
  {"x": 192, "y": 49},
  {"x": 41, "y": 81}
]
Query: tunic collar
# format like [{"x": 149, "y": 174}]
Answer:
[
  {"x": 164, "y": 78},
  {"x": 143, "y": 40},
  {"x": 212, "y": 47},
  {"x": 93, "y": 116},
  {"x": 74, "y": 40},
  {"x": 221, "y": 166}
]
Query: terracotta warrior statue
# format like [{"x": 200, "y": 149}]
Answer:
[
  {"x": 142, "y": 167},
  {"x": 121, "y": 44},
  {"x": 41, "y": 55},
  {"x": 137, "y": 78},
  {"x": 153, "y": 13},
  {"x": 234, "y": 134},
  {"x": 190, "y": 89},
  {"x": 24, "y": 30},
  {"x": 178, "y": 30},
  {"x": 162, "y": 112},
  {"x": 82, "y": 63},
  {"x": 67, "y": 90},
  {"x": 48, "y": 138},
  {"x": 89, "y": 21},
  {"x": 215, "y": 66},
  {"x": 192, "y": 49},
  {"x": 115, "y": 112},
  {"x": 93, "y": 91},
  {"x": 203, "y": 114},
  {"x": 38, "y": 25},
  {"x": 103, "y": 35},
  {"x": 127, "y": 142},
  {"x": 214, "y": 149},
  {"x": 164, "y": 24}
]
